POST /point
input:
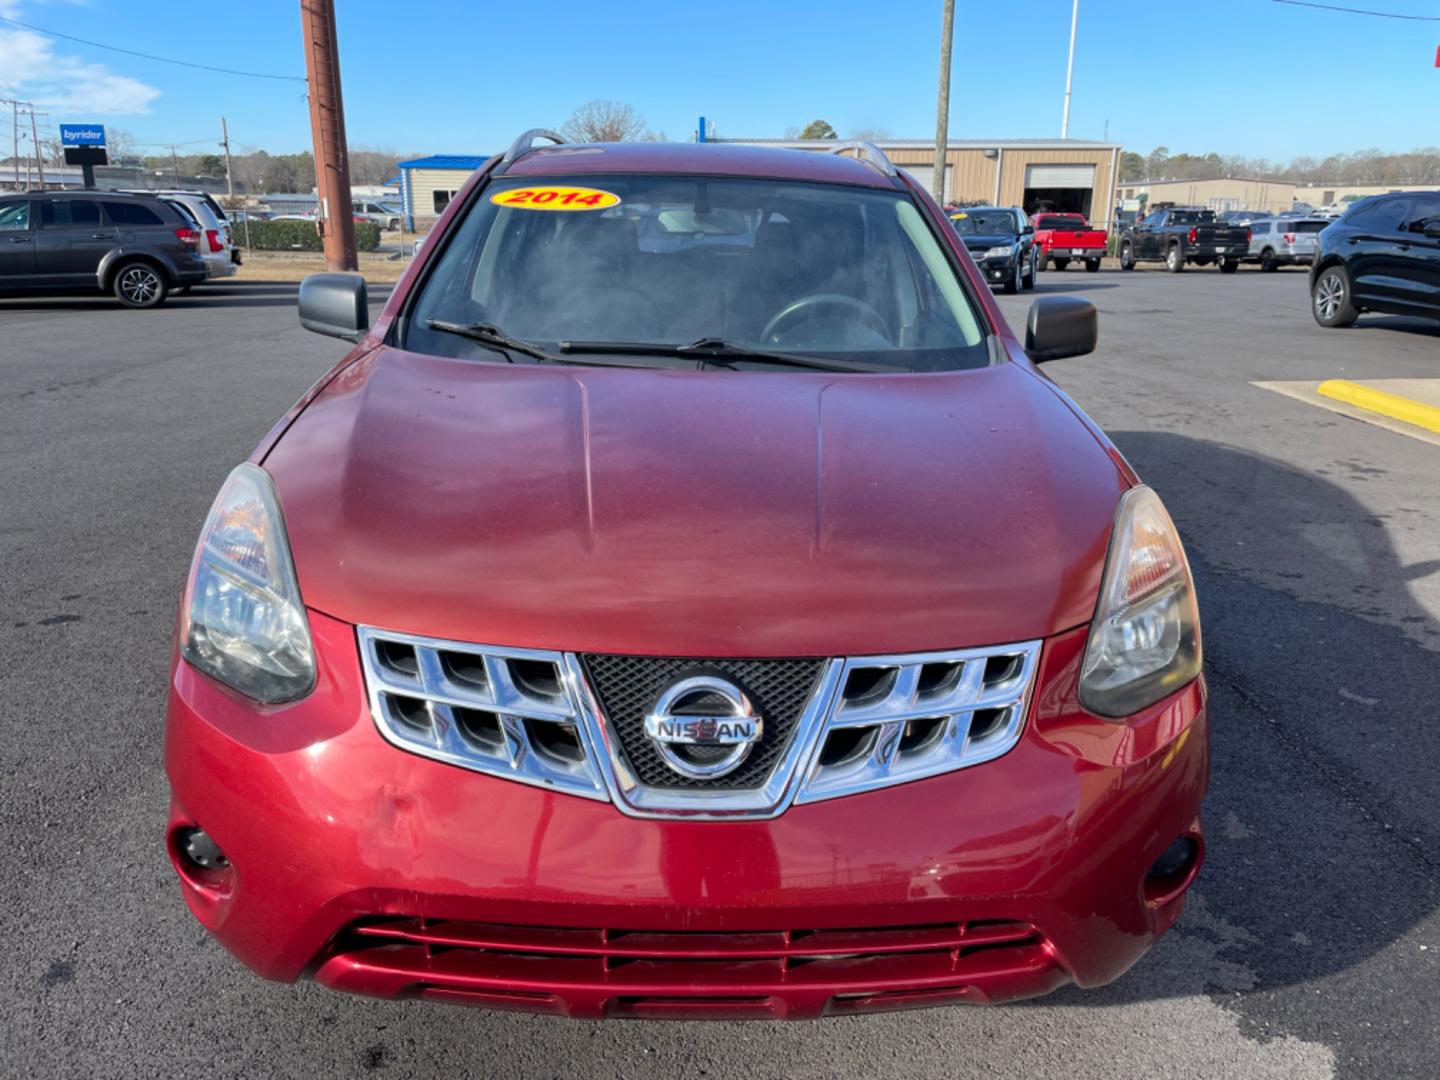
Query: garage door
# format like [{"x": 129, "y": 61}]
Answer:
[
  {"x": 1059, "y": 176},
  {"x": 925, "y": 176}
]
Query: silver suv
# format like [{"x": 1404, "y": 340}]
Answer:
[{"x": 1277, "y": 242}]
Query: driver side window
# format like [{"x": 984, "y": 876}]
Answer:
[{"x": 15, "y": 217}]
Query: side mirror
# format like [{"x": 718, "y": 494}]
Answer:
[
  {"x": 1029, "y": 230},
  {"x": 1432, "y": 230},
  {"x": 1061, "y": 326},
  {"x": 336, "y": 305}
]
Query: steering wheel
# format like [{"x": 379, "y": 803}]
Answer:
[{"x": 806, "y": 306}]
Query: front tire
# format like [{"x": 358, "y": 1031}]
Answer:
[
  {"x": 1267, "y": 261},
  {"x": 1127, "y": 257},
  {"x": 1330, "y": 300},
  {"x": 1012, "y": 286},
  {"x": 1174, "y": 259},
  {"x": 1044, "y": 259},
  {"x": 140, "y": 285},
  {"x": 1229, "y": 266},
  {"x": 1092, "y": 265},
  {"x": 1028, "y": 281}
]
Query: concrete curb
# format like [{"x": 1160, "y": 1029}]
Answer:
[{"x": 1378, "y": 401}]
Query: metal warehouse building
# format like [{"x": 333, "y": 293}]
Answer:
[{"x": 1038, "y": 174}]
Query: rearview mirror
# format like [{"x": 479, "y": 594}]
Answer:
[
  {"x": 1061, "y": 326},
  {"x": 336, "y": 305}
]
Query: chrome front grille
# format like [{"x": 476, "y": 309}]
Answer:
[
  {"x": 505, "y": 712},
  {"x": 626, "y": 688},
  {"x": 558, "y": 720},
  {"x": 903, "y": 718}
]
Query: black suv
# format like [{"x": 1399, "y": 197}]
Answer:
[
  {"x": 134, "y": 246},
  {"x": 1382, "y": 255}
]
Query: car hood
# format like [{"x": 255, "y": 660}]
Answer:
[
  {"x": 714, "y": 513},
  {"x": 998, "y": 240}
]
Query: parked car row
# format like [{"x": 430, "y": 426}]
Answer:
[{"x": 140, "y": 248}]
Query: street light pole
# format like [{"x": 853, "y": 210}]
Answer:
[
  {"x": 942, "y": 105},
  {"x": 327, "y": 125},
  {"x": 1070, "y": 70}
]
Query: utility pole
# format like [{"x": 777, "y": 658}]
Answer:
[
  {"x": 39, "y": 153},
  {"x": 942, "y": 106},
  {"x": 15, "y": 142},
  {"x": 229, "y": 175},
  {"x": 327, "y": 125},
  {"x": 175, "y": 164},
  {"x": 1070, "y": 70}
]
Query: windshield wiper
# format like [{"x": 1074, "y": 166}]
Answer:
[
  {"x": 722, "y": 353},
  {"x": 495, "y": 338}
]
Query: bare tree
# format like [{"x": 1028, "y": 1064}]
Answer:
[
  {"x": 604, "y": 121},
  {"x": 870, "y": 134}
]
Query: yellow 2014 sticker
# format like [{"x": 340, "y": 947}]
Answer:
[{"x": 555, "y": 197}]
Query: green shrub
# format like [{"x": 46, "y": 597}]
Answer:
[{"x": 296, "y": 236}]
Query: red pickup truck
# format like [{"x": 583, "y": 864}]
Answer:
[{"x": 1062, "y": 237}]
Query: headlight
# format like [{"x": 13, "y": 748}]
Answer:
[
  {"x": 998, "y": 252},
  {"x": 1145, "y": 640},
  {"x": 244, "y": 622}
]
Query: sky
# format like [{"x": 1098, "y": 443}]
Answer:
[{"x": 1251, "y": 77}]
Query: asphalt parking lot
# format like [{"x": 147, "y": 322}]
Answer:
[{"x": 1311, "y": 946}]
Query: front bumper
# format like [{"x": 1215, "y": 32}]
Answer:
[
  {"x": 384, "y": 873},
  {"x": 996, "y": 271}
]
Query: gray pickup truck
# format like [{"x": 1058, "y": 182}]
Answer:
[{"x": 1181, "y": 236}]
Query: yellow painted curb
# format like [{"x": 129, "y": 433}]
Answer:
[{"x": 1378, "y": 401}]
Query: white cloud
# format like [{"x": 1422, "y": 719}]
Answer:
[{"x": 31, "y": 69}]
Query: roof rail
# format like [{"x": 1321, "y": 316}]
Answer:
[
  {"x": 867, "y": 152},
  {"x": 526, "y": 142}
]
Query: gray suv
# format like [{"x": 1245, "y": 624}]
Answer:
[
  {"x": 1277, "y": 241},
  {"x": 136, "y": 247}
]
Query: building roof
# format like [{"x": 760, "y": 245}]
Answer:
[{"x": 446, "y": 161}]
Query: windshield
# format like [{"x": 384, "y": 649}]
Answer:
[
  {"x": 778, "y": 266},
  {"x": 1059, "y": 221},
  {"x": 984, "y": 222},
  {"x": 1191, "y": 217}
]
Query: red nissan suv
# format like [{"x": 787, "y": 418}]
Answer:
[{"x": 688, "y": 599}]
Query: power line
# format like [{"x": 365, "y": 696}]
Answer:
[
  {"x": 1360, "y": 11},
  {"x": 149, "y": 56}
]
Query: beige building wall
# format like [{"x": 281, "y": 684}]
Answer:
[
  {"x": 1224, "y": 194},
  {"x": 1324, "y": 194},
  {"x": 424, "y": 183},
  {"x": 973, "y": 174}
]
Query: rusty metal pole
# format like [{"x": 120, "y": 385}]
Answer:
[{"x": 327, "y": 124}]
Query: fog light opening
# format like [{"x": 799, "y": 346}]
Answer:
[
  {"x": 200, "y": 861},
  {"x": 200, "y": 848},
  {"x": 1171, "y": 874}
]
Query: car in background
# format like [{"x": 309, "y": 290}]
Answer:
[
  {"x": 138, "y": 248},
  {"x": 1060, "y": 237},
  {"x": 660, "y": 623},
  {"x": 1242, "y": 217},
  {"x": 1381, "y": 255},
  {"x": 1181, "y": 236},
  {"x": 387, "y": 217},
  {"x": 1001, "y": 240},
  {"x": 217, "y": 242},
  {"x": 1277, "y": 241}
]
